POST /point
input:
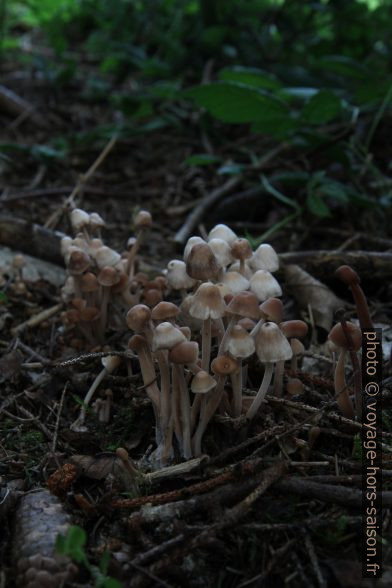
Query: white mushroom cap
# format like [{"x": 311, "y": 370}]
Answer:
[
  {"x": 65, "y": 244},
  {"x": 93, "y": 246},
  {"x": 264, "y": 285},
  {"x": 190, "y": 243},
  {"x": 177, "y": 278},
  {"x": 265, "y": 258},
  {"x": 96, "y": 221},
  {"x": 207, "y": 302},
  {"x": 166, "y": 336},
  {"x": 202, "y": 383},
  {"x": 111, "y": 362},
  {"x": 240, "y": 343},
  {"x": 106, "y": 256},
  {"x": 68, "y": 290},
  {"x": 79, "y": 219},
  {"x": 222, "y": 252},
  {"x": 271, "y": 344},
  {"x": 235, "y": 281},
  {"x": 222, "y": 232}
]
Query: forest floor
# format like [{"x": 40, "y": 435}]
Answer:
[{"x": 277, "y": 504}]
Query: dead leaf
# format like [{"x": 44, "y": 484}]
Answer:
[
  {"x": 10, "y": 366},
  {"x": 308, "y": 291}
]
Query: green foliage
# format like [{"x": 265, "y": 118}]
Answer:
[{"x": 73, "y": 545}]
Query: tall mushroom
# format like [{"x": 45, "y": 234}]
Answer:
[
  {"x": 348, "y": 276},
  {"x": 271, "y": 347}
]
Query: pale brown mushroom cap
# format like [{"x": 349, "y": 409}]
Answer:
[
  {"x": 107, "y": 277},
  {"x": 294, "y": 328},
  {"x": 177, "y": 277},
  {"x": 89, "y": 282},
  {"x": 338, "y": 337},
  {"x": 186, "y": 352},
  {"x": 224, "y": 365},
  {"x": 247, "y": 323},
  {"x": 202, "y": 383},
  {"x": 137, "y": 343},
  {"x": 96, "y": 221},
  {"x": 271, "y": 344},
  {"x": 164, "y": 311},
  {"x": 201, "y": 263},
  {"x": 79, "y": 218},
  {"x": 221, "y": 250},
  {"x": 235, "y": 281},
  {"x": 240, "y": 343},
  {"x": 272, "y": 310},
  {"x": 294, "y": 387},
  {"x": 207, "y": 302},
  {"x": 78, "y": 260},
  {"x": 241, "y": 249},
  {"x": 143, "y": 220},
  {"x": 297, "y": 346},
  {"x": 190, "y": 243},
  {"x": 111, "y": 362},
  {"x": 166, "y": 336},
  {"x": 347, "y": 275},
  {"x": 106, "y": 256},
  {"x": 138, "y": 317},
  {"x": 244, "y": 304},
  {"x": 152, "y": 296}
]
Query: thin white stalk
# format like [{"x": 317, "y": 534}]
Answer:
[
  {"x": 254, "y": 407},
  {"x": 185, "y": 412},
  {"x": 78, "y": 424},
  {"x": 210, "y": 404},
  {"x": 236, "y": 382},
  {"x": 206, "y": 345},
  {"x": 223, "y": 343},
  {"x": 278, "y": 379}
]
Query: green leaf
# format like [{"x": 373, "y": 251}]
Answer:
[
  {"x": 322, "y": 107},
  {"x": 230, "y": 169},
  {"x": 202, "y": 159},
  {"x": 343, "y": 66},
  {"x": 236, "y": 103},
  {"x": 73, "y": 544},
  {"x": 316, "y": 205},
  {"x": 250, "y": 76}
]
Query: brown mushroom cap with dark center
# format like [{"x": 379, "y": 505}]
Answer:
[
  {"x": 241, "y": 249},
  {"x": 202, "y": 383},
  {"x": 138, "y": 317},
  {"x": 201, "y": 263},
  {"x": 271, "y": 345},
  {"x": 272, "y": 310},
  {"x": 294, "y": 328},
  {"x": 207, "y": 302},
  {"x": 224, "y": 365},
  {"x": 186, "y": 352},
  {"x": 164, "y": 311},
  {"x": 107, "y": 277},
  {"x": 244, "y": 304}
]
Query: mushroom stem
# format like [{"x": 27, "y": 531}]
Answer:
[
  {"x": 341, "y": 390},
  {"x": 130, "y": 267},
  {"x": 207, "y": 413},
  {"x": 254, "y": 407},
  {"x": 278, "y": 379},
  {"x": 78, "y": 424},
  {"x": 226, "y": 336},
  {"x": 175, "y": 408},
  {"x": 206, "y": 344},
  {"x": 185, "y": 412},
  {"x": 104, "y": 309},
  {"x": 165, "y": 388},
  {"x": 236, "y": 381}
]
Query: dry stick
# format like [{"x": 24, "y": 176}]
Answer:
[
  {"x": 324, "y": 261},
  {"x": 350, "y": 497},
  {"x": 231, "y": 517},
  {"x": 356, "y": 370},
  {"x": 56, "y": 429},
  {"x": 83, "y": 179},
  {"x": 277, "y": 557},
  {"x": 210, "y": 199},
  {"x": 35, "y": 320},
  {"x": 314, "y": 560}
]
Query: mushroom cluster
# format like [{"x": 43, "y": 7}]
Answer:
[
  {"x": 103, "y": 283},
  {"x": 192, "y": 354}
]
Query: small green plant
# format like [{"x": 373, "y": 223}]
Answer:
[
  {"x": 357, "y": 447},
  {"x": 73, "y": 546}
]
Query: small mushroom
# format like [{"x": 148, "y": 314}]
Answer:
[{"x": 348, "y": 276}]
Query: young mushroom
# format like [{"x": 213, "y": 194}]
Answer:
[
  {"x": 271, "y": 347},
  {"x": 241, "y": 250},
  {"x": 240, "y": 345},
  {"x": 338, "y": 337},
  {"x": 348, "y": 276}
]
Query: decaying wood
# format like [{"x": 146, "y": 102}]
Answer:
[
  {"x": 369, "y": 264},
  {"x": 31, "y": 238},
  {"x": 16, "y": 106},
  {"x": 39, "y": 518}
]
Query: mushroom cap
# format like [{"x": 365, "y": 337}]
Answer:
[
  {"x": 89, "y": 282},
  {"x": 186, "y": 331},
  {"x": 190, "y": 243},
  {"x": 164, "y": 310},
  {"x": 143, "y": 220},
  {"x": 108, "y": 276},
  {"x": 347, "y": 275},
  {"x": 224, "y": 365},
  {"x": 138, "y": 317},
  {"x": 221, "y": 250},
  {"x": 272, "y": 310},
  {"x": 207, "y": 302},
  {"x": 241, "y": 249},
  {"x": 111, "y": 362},
  {"x": 96, "y": 221},
  {"x": 177, "y": 277},
  {"x": 79, "y": 218},
  {"x": 294, "y": 387},
  {"x": 244, "y": 304},
  {"x": 121, "y": 284},
  {"x": 186, "y": 318},
  {"x": 338, "y": 337},
  {"x": 152, "y": 296},
  {"x": 248, "y": 271},
  {"x": 297, "y": 346},
  {"x": 222, "y": 232},
  {"x": 106, "y": 256},
  {"x": 202, "y": 383},
  {"x": 90, "y": 313},
  {"x": 137, "y": 343},
  {"x": 78, "y": 260},
  {"x": 235, "y": 281},
  {"x": 295, "y": 328},
  {"x": 240, "y": 343},
  {"x": 247, "y": 323},
  {"x": 201, "y": 263},
  {"x": 271, "y": 344},
  {"x": 166, "y": 336},
  {"x": 65, "y": 244},
  {"x": 186, "y": 352},
  {"x": 264, "y": 285},
  {"x": 265, "y": 258}
]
